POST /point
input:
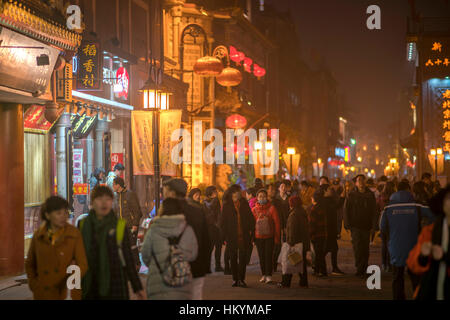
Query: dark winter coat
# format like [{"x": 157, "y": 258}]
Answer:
[
  {"x": 282, "y": 207},
  {"x": 195, "y": 217},
  {"x": 212, "y": 211},
  {"x": 229, "y": 223},
  {"x": 126, "y": 206},
  {"x": 297, "y": 228},
  {"x": 317, "y": 219},
  {"x": 360, "y": 210}
]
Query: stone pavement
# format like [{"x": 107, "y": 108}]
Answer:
[{"x": 218, "y": 286}]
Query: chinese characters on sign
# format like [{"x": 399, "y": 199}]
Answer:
[
  {"x": 446, "y": 119},
  {"x": 436, "y": 60},
  {"x": 88, "y": 75}
]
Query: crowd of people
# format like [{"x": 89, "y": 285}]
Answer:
[{"x": 292, "y": 224}]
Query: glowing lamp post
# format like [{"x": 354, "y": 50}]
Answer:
[
  {"x": 156, "y": 98},
  {"x": 436, "y": 153},
  {"x": 290, "y": 152}
]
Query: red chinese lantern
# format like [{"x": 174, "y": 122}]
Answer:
[
  {"x": 248, "y": 64},
  {"x": 258, "y": 71},
  {"x": 236, "y": 56},
  {"x": 236, "y": 121},
  {"x": 208, "y": 66},
  {"x": 229, "y": 77}
]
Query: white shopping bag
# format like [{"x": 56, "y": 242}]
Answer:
[{"x": 286, "y": 265}]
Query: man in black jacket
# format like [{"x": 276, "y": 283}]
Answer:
[
  {"x": 238, "y": 225},
  {"x": 126, "y": 206},
  {"x": 281, "y": 203},
  {"x": 360, "y": 214},
  {"x": 212, "y": 209},
  {"x": 195, "y": 217}
]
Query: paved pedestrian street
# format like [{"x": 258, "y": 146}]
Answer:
[{"x": 218, "y": 285}]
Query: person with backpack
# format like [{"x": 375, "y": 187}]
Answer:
[
  {"x": 212, "y": 208},
  {"x": 108, "y": 249},
  {"x": 238, "y": 225},
  {"x": 195, "y": 217},
  {"x": 169, "y": 247},
  {"x": 46, "y": 271},
  {"x": 267, "y": 233},
  {"x": 401, "y": 223}
]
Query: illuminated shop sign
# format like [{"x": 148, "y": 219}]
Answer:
[
  {"x": 340, "y": 152},
  {"x": 436, "y": 60},
  {"x": 446, "y": 118},
  {"x": 89, "y": 66}
]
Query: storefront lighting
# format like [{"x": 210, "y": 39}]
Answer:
[
  {"x": 258, "y": 145},
  {"x": 101, "y": 100},
  {"x": 269, "y": 145}
]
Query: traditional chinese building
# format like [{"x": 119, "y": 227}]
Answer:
[{"x": 34, "y": 42}]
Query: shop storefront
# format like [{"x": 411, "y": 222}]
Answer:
[{"x": 28, "y": 56}]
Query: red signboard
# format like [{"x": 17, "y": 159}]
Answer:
[
  {"x": 122, "y": 83},
  {"x": 115, "y": 159},
  {"x": 34, "y": 119},
  {"x": 80, "y": 189}
]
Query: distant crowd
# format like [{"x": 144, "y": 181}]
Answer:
[{"x": 294, "y": 226}]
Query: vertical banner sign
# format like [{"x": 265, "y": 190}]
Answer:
[
  {"x": 77, "y": 166},
  {"x": 115, "y": 159},
  {"x": 141, "y": 134},
  {"x": 169, "y": 121},
  {"x": 436, "y": 57},
  {"x": 89, "y": 74},
  {"x": 446, "y": 119}
]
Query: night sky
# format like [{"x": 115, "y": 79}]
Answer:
[{"x": 369, "y": 65}]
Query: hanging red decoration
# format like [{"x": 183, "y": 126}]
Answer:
[
  {"x": 236, "y": 121},
  {"x": 229, "y": 77},
  {"x": 248, "y": 64},
  {"x": 258, "y": 71},
  {"x": 208, "y": 66}
]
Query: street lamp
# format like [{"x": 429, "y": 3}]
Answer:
[
  {"x": 436, "y": 153},
  {"x": 156, "y": 97},
  {"x": 359, "y": 159},
  {"x": 290, "y": 152}
]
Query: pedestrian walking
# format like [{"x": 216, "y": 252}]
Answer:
[
  {"x": 267, "y": 233},
  {"x": 194, "y": 197},
  {"x": 281, "y": 203},
  {"x": 212, "y": 208},
  {"x": 168, "y": 244},
  {"x": 250, "y": 194},
  {"x": 238, "y": 225},
  {"x": 306, "y": 193},
  {"x": 429, "y": 258},
  {"x": 317, "y": 219},
  {"x": 195, "y": 217},
  {"x": 360, "y": 214},
  {"x": 332, "y": 202},
  {"x": 108, "y": 249},
  {"x": 297, "y": 231},
  {"x": 339, "y": 191},
  {"x": 401, "y": 222},
  {"x": 382, "y": 201},
  {"x": 126, "y": 206},
  {"x": 54, "y": 247},
  {"x": 117, "y": 172},
  {"x": 96, "y": 177}
]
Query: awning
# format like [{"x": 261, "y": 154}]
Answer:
[
  {"x": 34, "y": 119},
  {"x": 99, "y": 100}
]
